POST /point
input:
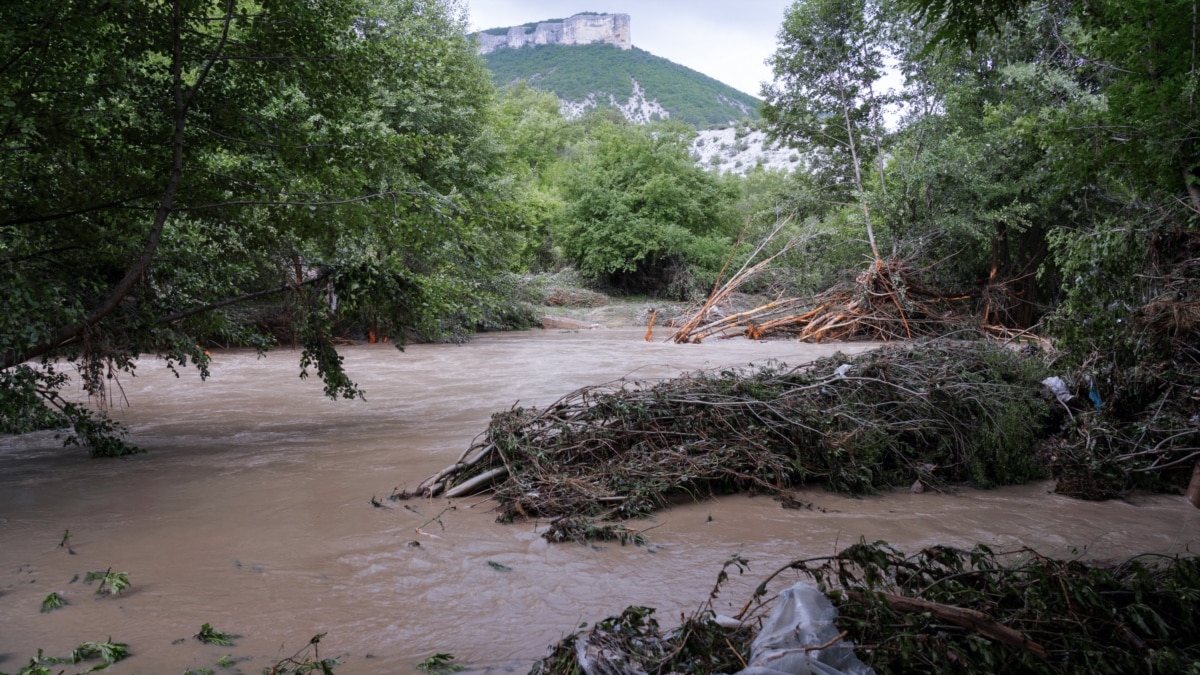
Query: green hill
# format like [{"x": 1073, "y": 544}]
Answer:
[{"x": 577, "y": 71}]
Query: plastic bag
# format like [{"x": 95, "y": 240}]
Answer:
[
  {"x": 1058, "y": 388},
  {"x": 802, "y": 621}
]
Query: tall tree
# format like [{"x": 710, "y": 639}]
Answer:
[
  {"x": 824, "y": 99},
  {"x": 639, "y": 210},
  {"x": 167, "y": 161}
]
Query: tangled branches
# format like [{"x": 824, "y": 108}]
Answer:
[
  {"x": 1144, "y": 429},
  {"x": 938, "y": 411},
  {"x": 941, "y": 610},
  {"x": 947, "y": 610},
  {"x": 887, "y": 301}
]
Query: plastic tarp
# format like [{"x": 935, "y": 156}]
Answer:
[{"x": 800, "y": 638}]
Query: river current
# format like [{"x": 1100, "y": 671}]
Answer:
[{"x": 252, "y": 512}]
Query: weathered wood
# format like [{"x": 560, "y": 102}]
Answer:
[{"x": 477, "y": 483}]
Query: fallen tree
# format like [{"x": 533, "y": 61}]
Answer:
[
  {"x": 940, "y": 412},
  {"x": 887, "y": 301}
]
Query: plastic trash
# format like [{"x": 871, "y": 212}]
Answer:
[
  {"x": 841, "y": 370},
  {"x": 1093, "y": 394},
  {"x": 1058, "y": 388},
  {"x": 789, "y": 640}
]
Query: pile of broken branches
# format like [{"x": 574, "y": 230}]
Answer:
[
  {"x": 939, "y": 411},
  {"x": 1144, "y": 429},
  {"x": 887, "y": 301},
  {"x": 941, "y": 610}
]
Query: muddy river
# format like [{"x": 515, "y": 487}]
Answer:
[{"x": 251, "y": 511}]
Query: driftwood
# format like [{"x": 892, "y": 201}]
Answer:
[{"x": 887, "y": 301}]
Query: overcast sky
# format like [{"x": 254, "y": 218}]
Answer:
[{"x": 725, "y": 39}]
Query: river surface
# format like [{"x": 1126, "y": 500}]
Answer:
[{"x": 251, "y": 512}]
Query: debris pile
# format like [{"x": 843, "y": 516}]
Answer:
[
  {"x": 1141, "y": 425},
  {"x": 887, "y": 301},
  {"x": 939, "y": 411},
  {"x": 942, "y": 610}
]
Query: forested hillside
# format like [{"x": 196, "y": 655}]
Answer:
[{"x": 574, "y": 73}]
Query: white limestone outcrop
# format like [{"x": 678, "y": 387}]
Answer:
[{"x": 580, "y": 29}]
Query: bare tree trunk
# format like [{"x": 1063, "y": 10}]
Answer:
[{"x": 858, "y": 179}]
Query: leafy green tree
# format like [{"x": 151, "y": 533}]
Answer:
[
  {"x": 639, "y": 212},
  {"x": 533, "y": 135},
  {"x": 823, "y": 99},
  {"x": 166, "y": 163}
]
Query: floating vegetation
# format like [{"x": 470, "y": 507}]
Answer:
[
  {"x": 939, "y": 411},
  {"x": 440, "y": 664},
  {"x": 307, "y": 660},
  {"x": 111, "y": 583},
  {"x": 108, "y": 651},
  {"x": 941, "y": 610},
  {"x": 65, "y": 542},
  {"x": 582, "y": 530},
  {"x": 52, "y": 602},
  {"x": 211, "y": 636},
  {"x": 633, "y": 642}
]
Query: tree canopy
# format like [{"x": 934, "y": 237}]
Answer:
[
  {"x": 166, "y": 163},
  {"x": 638, "y": 210}
]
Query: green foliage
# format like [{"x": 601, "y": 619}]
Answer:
[
  {"x": 1112, "y": 618},
  {"x": 440, "y": 664},
  {"x": 161, "y": 170},
  {"x": 108, "y": 652},
  {"x": 211, "y": 636},
  {"x": 111, "y": 583},
  {"x": 572, "y": 72},
  {"x": 52, "y": 602},
  {"x": 829, "y": 55},
  {"x": 639, "y": 212},
  {"x": 960, "y": 22}
]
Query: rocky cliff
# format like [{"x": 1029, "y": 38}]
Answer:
[{"x": 581, "y": 29}]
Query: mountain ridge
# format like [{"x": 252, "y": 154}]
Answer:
[{"x": 644, "y": 87}]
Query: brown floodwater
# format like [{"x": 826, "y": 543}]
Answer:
[{"x": 251, "y": 511}]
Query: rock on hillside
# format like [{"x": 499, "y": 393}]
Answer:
[
  {"x": 738, "y": 149},
  {"x": 637, "y": 109}
]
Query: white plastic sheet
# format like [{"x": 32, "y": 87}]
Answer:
[{"x": 788, "y": 643}]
